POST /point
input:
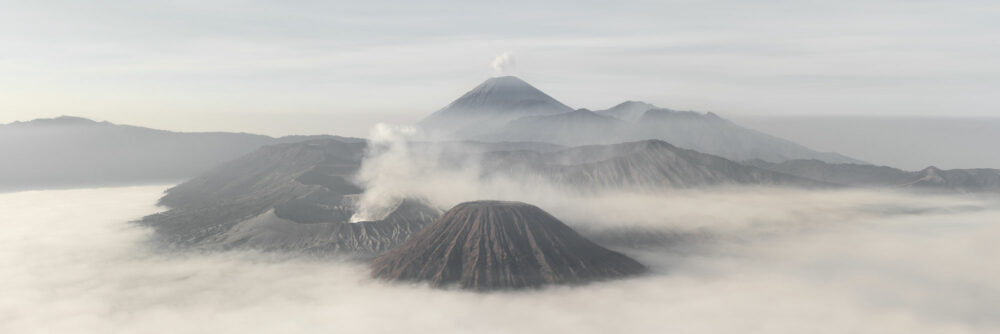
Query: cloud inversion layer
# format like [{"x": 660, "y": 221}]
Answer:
[{"x": 70, "y": 263}]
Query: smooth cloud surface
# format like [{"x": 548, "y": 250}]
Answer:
[{"x": 847, "y": 262}]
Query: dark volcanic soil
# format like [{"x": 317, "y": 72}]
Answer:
[{"x": 488, "y": 245}]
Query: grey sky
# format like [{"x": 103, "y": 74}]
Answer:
[{"x": 230, "y": 65}]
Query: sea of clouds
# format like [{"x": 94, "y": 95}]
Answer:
[{"x": 793, "y": 261}]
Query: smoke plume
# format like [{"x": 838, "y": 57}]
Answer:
[
  {"x": 503, "y": 64},
  {"x": 385, "y": 165}
]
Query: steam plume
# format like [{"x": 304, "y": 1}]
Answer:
[
  {"x": 503, "y": 63},
  {"x": 385, "y": 164}
]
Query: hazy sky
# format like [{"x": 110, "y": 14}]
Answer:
[{"x": 201, "y": 65}]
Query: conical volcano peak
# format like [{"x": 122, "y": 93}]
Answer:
[
  {"x": 492, "y": 104},
  {"x": 508, "y": 94},
  {"x": 507, "y": 80},
  {"x": 489, "y": 245}
]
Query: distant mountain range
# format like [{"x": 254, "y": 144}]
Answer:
[
  {"x": 930, "y": 178},
  {"x": 73, "y": 152},
  {"x": 509, "y": 109}
]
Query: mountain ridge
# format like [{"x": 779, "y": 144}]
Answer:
[
  {"x": 929, "y": 178},
  {"x": 69, "y": 151},
  {"x": 509, "y": 109},
  {"x": 649, "y": 165}
]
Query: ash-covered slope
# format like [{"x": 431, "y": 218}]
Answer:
[
  {"x": 295, "y": 197},
  {"x": 490, "y": 105},
  {"x": 651, "y": 165},
  {"x": 930, "y": 178},
  {"x": 490, "y": 245},
  {"x": 72, "y": 151}
]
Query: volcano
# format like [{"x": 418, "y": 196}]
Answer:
[
  {"x": 491, "y": 105},
  {"x": 493, "y": 245},
  {"x": 287, "y": 197}
]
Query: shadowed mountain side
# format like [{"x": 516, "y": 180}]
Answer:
[
  {"x": 930, "y": 178},
  {"x": 73, "y": 152},
  {"x": 647, "y": 165},
  {"x": 490, "y": 245}
]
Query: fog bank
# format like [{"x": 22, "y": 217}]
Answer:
[{"x": 70, "y": 263}]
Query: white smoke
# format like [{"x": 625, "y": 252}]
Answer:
[
  {"x": 386, "y": 163},
  {"x": 503, "y": 63},
  {"x": 399, "y": 165}
]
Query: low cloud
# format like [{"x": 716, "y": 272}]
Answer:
[{"x": 831, "y": 262}]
